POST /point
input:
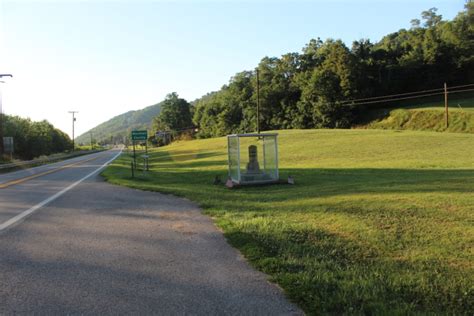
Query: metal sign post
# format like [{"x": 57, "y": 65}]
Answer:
[
  {"x": 138, "y": 135},
  {"x": 134, "y": 155}
]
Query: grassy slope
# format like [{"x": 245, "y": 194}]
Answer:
[
  {"x": 425, "y": 114},
  {"x": 379, "y": 221}
]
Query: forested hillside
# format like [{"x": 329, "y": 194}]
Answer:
[
  {"x": 310, "y": 89},
  {"x": 322, "y": 86},
  {"x": 115, "y": 129}
]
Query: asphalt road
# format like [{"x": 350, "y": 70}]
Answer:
[{"x": 87, "y": 247}]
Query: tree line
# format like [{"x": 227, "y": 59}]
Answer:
[
  {"x": 310, "y": 89},
  {"x": 33, "y": 139}
]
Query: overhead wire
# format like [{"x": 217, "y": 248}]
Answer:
[
  {"x": 391, "y": 95},
  {"x": 457, "y": 91},
  {"x": 390, "y": 98},
  {"x": 397, "y": 99},
  {"x": 462, "y": 86}
]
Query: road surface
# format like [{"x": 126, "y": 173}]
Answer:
[{"x": 71, "y": 243}]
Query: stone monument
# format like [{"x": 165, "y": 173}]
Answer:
[{"x": 252, "y": 165}]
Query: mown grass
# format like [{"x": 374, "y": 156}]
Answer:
[{"x": 378, "y": 222}]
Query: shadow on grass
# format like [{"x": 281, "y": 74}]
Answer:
[
  {"x": 332, "y": 273},
  {"x": 183, "y": 155},
  {"x": 190, "y": 165},
  {"x": 328, "y": 274},
  {"x": 315, "y": 182},
  {"x": 329, "y": 180}
]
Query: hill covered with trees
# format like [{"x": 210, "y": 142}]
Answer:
[
  {"x": 310, "y": 89},
  {"x": 115, "y": 129},
  {"x": 314, "y": 88}
]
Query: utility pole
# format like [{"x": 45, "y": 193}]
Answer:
[
  {"x": 73, "y": 120},
  {"x": 258, "y": 103},
  {"x": 1, "y": 117},
  {"x": 92, "y": 148},
  {"x": 446, "y": 103},
  {"x": 1, "y": 126}
]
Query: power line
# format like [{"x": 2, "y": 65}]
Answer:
[
  {"x": 404, "y": 94},
  {"x": 390, "y": 95},
  {"x": 412, "y": 97},
  {"x": 398, "y": 99},
  {"x": 462, "y": 86},
  {"x": 457, "y": 91}
]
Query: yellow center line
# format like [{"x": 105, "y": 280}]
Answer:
[{"x": 17, "y": 181}]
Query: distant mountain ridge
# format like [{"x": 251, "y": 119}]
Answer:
[{"x": 115, "y": 129}]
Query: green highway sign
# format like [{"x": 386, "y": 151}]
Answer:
[{"x": 139, "y": 135}]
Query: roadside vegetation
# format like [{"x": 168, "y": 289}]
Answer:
[
  {"x": 34, "y": 139},
  {"x": 378, "y": 222},
  {"x": 423, "y": 114}
]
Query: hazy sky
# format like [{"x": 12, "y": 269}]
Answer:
[{"x": 103, "y": 58}]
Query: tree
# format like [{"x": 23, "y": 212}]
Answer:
[
  {"x": 328, "y": 85},
  {"x": 279, "y": 92},
  {"x": 415, "y": 24},
  {"x": 230, "y": 110},
  {"x": 175, "y": 114},
  {"x": 431, "y": 18},
  {"x": 324, "y": 96}
]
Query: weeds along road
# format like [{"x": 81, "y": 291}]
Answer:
[{"x": 72, "y": 244}]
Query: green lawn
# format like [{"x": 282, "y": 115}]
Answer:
[{"x": 378, "y": 221}]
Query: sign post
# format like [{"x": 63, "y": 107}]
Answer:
[
  {"x": 134, "y": 155},
  {"x": 8, "y": 146},
  {"x": 139, "y": 135}
]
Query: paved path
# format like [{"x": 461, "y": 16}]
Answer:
[{"x": 104, "y": 249}]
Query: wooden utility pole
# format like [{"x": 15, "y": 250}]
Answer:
[
  {"x": 258, "y": 103},
  {"x": 73, "y": 120},
  {"x": 446, "y": 103},
  {"x": 1, "y": 117},
  {"x": 1, "y": 129}
]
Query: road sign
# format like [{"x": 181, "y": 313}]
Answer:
[
  {"x": 8, "y": 145},
  {"x": 139, "y": 135}
]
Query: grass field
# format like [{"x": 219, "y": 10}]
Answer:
[
  {"x": 378, "y": 221},
  {"x": 425, "y": 114}
]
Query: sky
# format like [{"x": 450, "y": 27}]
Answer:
[{"x": 103, "y": 58}]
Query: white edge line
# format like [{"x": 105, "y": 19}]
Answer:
[
  {"x": 46, "y": 167},
  {"x": 23, "y": 214}
]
